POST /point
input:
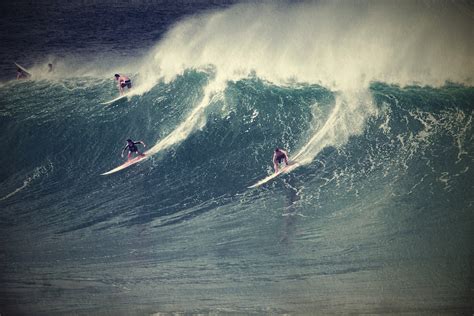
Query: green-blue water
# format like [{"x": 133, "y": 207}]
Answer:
[{"x": 378, "y": 219}]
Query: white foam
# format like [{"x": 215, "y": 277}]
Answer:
[
  {"x": 195, "y": 120},
  {"x": 37, "y": 172},
  {"x": 347, "y": 119},
  {"x": 340, "y": 45}
]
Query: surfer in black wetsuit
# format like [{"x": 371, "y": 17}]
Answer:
[
  {"x": 132, "y": 148},
  {"x": 279, "y": 155}
]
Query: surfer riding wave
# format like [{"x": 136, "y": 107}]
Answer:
[
  {"x": 132, "y": 148},
  {"x": 123, "y": 81},
  {"x": 279, "y": 155}
]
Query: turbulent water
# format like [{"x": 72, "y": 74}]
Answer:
[{"x": 375, "y": 101}]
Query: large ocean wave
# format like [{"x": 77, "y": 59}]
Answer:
[
  {"x": 377, "y": 108},
  {"x": 63, "y": 138}
]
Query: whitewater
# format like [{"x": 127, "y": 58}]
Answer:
[{"x": 373, "y": 99}]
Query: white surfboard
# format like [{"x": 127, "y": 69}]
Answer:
[
  {"x": 23, "y": 69},
  {"x": 286, "y": 169},
  {"x": 127, "y": 164},
  {"x": 114, "y": 100}
]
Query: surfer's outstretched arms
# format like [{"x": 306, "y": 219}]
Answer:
[
  {"x": 123, "y": 81},
  {"x": 132, "y": 148},
  {"x": 279, "y": 155}
]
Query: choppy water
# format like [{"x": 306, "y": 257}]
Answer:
[{"x": 378, "y": 219}]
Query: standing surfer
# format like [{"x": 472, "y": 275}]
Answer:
[
  {"x": 279, "y": 155},
  {"x": 132, "y": 148},
  {"x": 123, "y": 81}
]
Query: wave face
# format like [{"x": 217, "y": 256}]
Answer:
[{"x": 377, "y": 219}]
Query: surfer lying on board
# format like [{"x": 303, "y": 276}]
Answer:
[
  {"x": 20, "y": 74},
  {"x": 278, "y": 156},
  {"x": 123, "y": 81},
  {"x": 132, "y": 148}
]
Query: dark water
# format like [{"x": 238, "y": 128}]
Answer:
[{"x": 377, "y": 219}]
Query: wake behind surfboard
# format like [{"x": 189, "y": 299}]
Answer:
[
  {"x": 286, "y": 169},
  {"x": 114, "y": 100},
  {"x": 126, "y": 165}
]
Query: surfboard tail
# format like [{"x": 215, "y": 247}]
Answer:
[
  {"x": 290, "y": 167},
  {"x": 126, "y": 164}
]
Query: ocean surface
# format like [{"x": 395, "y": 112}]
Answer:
[{"x": 375, "y": 100}]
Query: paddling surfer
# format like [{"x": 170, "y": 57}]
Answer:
[
  {"x": 123, "y": 81},
  {"x": 279, "y": 155},
  {"x": 132, "y": 148},
  {"x": 20, "y": 74}
]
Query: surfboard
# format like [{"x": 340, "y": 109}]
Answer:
[
  {"x": 286, "y": 169},
  {"x": 114, "y": 100},
  {"x": 127, "y": 164},
  {"x": 23, "y": 69}
]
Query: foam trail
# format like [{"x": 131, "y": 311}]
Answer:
[
  {"x": 37, "y": 172},
  {"x": 340, "y": 45},
  {"x": 25, "y": 184},
  {"x": 195, "y": 120},
  {"x": 346, "y": 119}
]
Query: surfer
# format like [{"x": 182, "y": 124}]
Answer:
[
  {"x": 132, "y": 148},
  {"x": 20, "y": 74},
  {"x": 50, "y": 67},
  {"x": 279, "y": 155},
  {"x": 123, "y": 81}
]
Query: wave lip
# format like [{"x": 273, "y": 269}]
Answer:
[{"x": 340, "y": 45}]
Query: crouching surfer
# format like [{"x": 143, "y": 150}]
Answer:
[
  {"x": 123, "y": 81},
  {"x": 132, "y": 148},
  {"x": 279, "y": 155}
]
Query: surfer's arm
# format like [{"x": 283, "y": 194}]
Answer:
[
  {"x": 123, "y": 150},
  {"x": 140, "y": 142}
]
